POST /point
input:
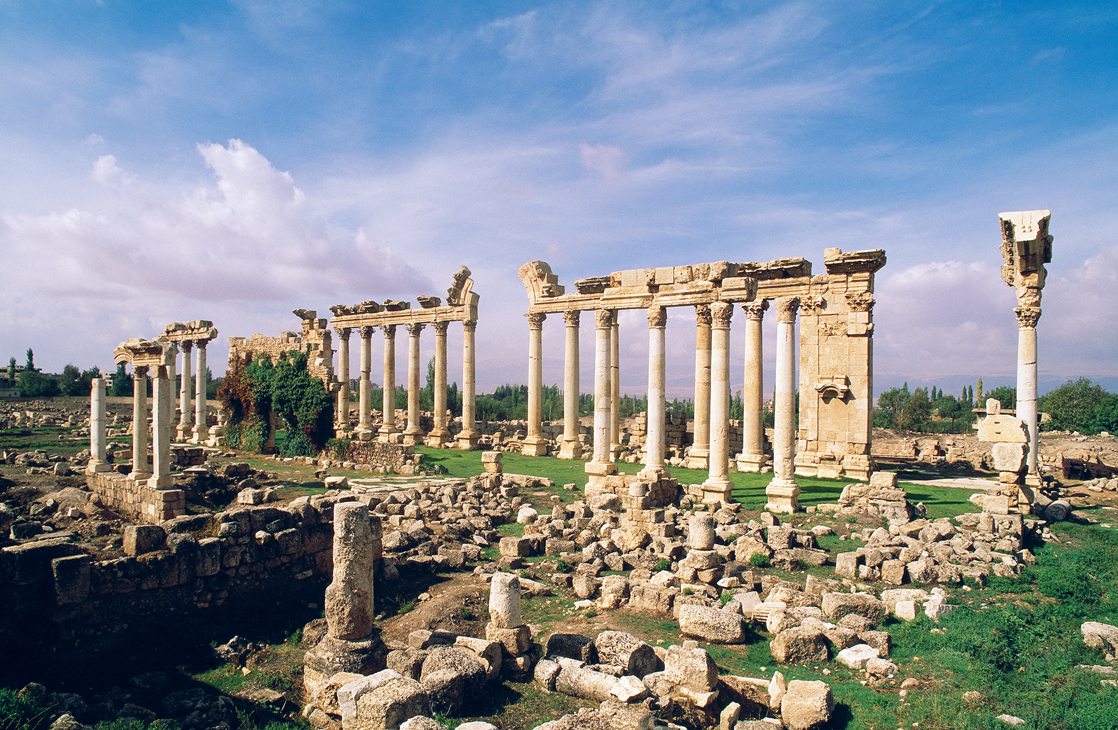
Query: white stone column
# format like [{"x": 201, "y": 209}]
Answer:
[
  {"x": 364, "y": 430},
  {"x": 440, "y": 434},
  {"x": 161, "y": 428},
  {"x": 654, "y": 445},
  {"x": 1027, "y": 318},
  {"x": 413, "y": 434},
  {"x": 615, "y": 388},
  {"x": 602, "y": 464},
  {"x": 534, "y": 444},
  {"x": 783, "y": 491},
  {"x": 201, "y": 428},
  {"x": 699, "y": 455},
  {"x": 186, "y": 412},
  {"x": 139, "y": 424},
  {"x": 467, "y": 437},
  {"x": 388, "y": 403},
  {"x": 97, "y": 427},
  {"x": 717, "y": 486},
  {"x": 752, "y": 457},
  {"x": 571, "y": 447},
  {"x": 341, "y": 428}
]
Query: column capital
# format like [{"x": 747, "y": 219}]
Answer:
[
  {"x": 186, "y": 345},
  {"x": 755, "y": 311},
  {"x": 367, "y": 331},
  {"x": 469, "y": 325},
  {"x": 202, "y": 344},
  {"x": 720, "y": 313},
  {"x": 389, "y": 331},
  {"x": 572, "y": 317},
  {"x": 140, "y": 370},
  {"x": 414, "y": 328},
  {"x": 786, "y": 308},
  {"x": 860, "y": 302},
  {"x": 657, "y": 316},
  {"x": 1027, "y": 317},
  {"x": 702, "y": 315},
  {"x": 440, "y": 328},
  {"x": 603, "y": 318},
  {"x": 344, "y": 332},
  {"x": 535, "y": 320}
]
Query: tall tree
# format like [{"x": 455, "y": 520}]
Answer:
[{"x": 30, "y": 359}]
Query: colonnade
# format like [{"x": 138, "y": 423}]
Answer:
[
  {"x": 192, "y": 425},
  {"x": 157, "y": 359}
]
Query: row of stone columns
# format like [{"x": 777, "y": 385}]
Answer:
[
  {"x": 412, "y": 434},
  {"x": 192, "y": 423}
]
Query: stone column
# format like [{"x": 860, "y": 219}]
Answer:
[
  {"x": 388, "y": 403},
  {"x": 364, "y": 430},
  {"x": 571, "y": 448},
  {"x": 97, "y": 427},
  {"x": 783, "y": 492},
  {"x": 615, "y": 388},
  {"x": 699, "y": 455},
  {"x": 440, "y": 434},
  {"x": 186, "y": 413},
  {"x": 601, "y": 464},
  {"x": 161, "y": 428},
  {"x": 467, "y": 437},
  {"x": 413, "y": 434},
  {"x": 752, "y": 457},
  {"x": 342, "y": 426},
  {"x": 201, "y": 429},
  {"x": 534, "y": 444},
  {"x": 717, "y": 486},
  {"x": 1027, "y": 318},
  {"x": 654, "y": 444},
  {"x": 139, "y": 424}
]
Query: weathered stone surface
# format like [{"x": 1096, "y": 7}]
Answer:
[
  {"x": 624, "y": 650},
  {"x": 711, "y": 624},
  {"x": 574, "y": 646},
  {"x": 387, "y": 705},
  {"x": 585, "y": 683},
  {"x": 837, "y": 605},
  {"x": 799, "y": 644},
  {"x": 856, "y": 656},
  {"x": 692, "y": 668},
  {"x": 451, "y": 675},
  {"x": 349, "y": 597},
  {"x": 806, "y": 705},
  {"x": 504, "y": 601},
  {"x": 1100, "y": 636}
]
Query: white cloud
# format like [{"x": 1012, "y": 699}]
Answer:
[
  {"x": 107, "y": 172},
  {"x": 607, "y": 160}
]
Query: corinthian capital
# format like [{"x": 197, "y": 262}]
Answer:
[
  {"x": 657, "y": 316},
  {"x": 535, "y": 320},
  {"x": 343, "y": 332},
  {"x": 1027, "y": 317},
  {"x": 720, "y": 313},
  {"x": 440, "y": 328},
  {"x": 603, "y": 318},
  {"x": 367, "y": 331},
  {"x": 786, "y": 308},
  {"x": 414, "y": 328},
  {"x": 571, "y": 318},
  {"x": 702, "y": 315},
  {"x": 755, "y": 311}
]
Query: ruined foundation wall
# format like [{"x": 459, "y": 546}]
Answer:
[{"x": 136, "y": 500}]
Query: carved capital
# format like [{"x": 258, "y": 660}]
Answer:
[
  {"x": 603, "y": 318},
  {"x": 389, "y": 331},
  {"x": 535, "y": 320},
  {"x": 414, "y": 328},
  {"x": 366, "y": 331},
  {"x": 702, "y": 315},
  {"x": 343, "y": 332},
  {"x": 812, "y": 305},
  {"x": 571, "y": 318},
  {"x": 440, "y": 328},
  {"x": 186, "y": 345},
  {"x": 140, "y": 371},
  {"x": 720, "y": 313},
  {"x": 469, "y": 325},
  {"x": 786, "y": 308},
  {"x": 755, "y": 311},
  {"x": 1027, "y": 317},
  {"x": 862, "y": 302},
  {"x": 657, "y": 316}
]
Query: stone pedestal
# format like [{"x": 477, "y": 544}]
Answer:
[
  {"x": 413, "y": 434},
  {"x": 1010, "y": 450},
  {"x": 571, "y": 447},
  {"x": 783, "y": 492},
  {"x": 699, "y": 455},
  {"x": 534, "y": 444}
]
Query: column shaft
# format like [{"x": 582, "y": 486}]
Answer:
[
  {"x": 201, "y": 428},
  {"x": 655, "y": 444},
  {"x": 752, "y": 457},
  {"x": 615, "y": 388},
  {"x": 161, "y": 428},
  {"x": 699, "y": 455},
  {"x": 782, "y": 491},
  {"x": 139, "y": 424},
  {"x": 97, "y": 427},
  {"x": 717, "y": 486},
  {"x": 440, "y": 434},
  {"x": 413, "y": 434},
  {"x": 602, "y": 465},
  {"x": 364, "y": 386},
  {"x": 342, "y": 427},
  {"x": 467, "y": 438},
  {"x": 534, "y": 444},
  {"x": 186, "y": 414},
  {"x": 388, "y": 403},
  {"x": 1027, "y": 318},
  {"x": 571, "y": 448}
]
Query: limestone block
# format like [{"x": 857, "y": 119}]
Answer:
[
  {"x": 1009, "y": 457},
  {"x": 1100, "y": 636},
  {"x": 838, "y": 605},
  {"x": 349, "y": 597},
  {"x": 806, "y": 705},
  {"x": 504, "y": 600},
  {"x": 856, "y": 656},
  {"x": 573, "y": 646},
  {"x": 516, "y": 641},
  {"x": 546, "y": 673},
  {"x": 349, "y": 692},
  {"x": 799, "y": 644},
  {"x": 390, "y": 704},
  {"x": 71, "y": 578},
  {"x": 488, "y": 652},
  {"x": 451, "y": 675},
  {"x": 711, "y": 624},
  {"x": 624, "y": 650},
  {"x": 701, "y": 531},
  {"x": 629, "y": 689},
  {"x": 692, "y": 668},
  {"x": 141, "y": 539},
  {"x": 585, "y": 683}
]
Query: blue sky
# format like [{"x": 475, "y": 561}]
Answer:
[{"x": 235, "y": 160}]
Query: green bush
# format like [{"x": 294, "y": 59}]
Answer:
[
  {"x": 662, "y": 564},
  {"x": 21, "y": 713},
  {"x": 759, "y": 560}
]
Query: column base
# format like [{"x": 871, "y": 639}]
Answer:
[
  {"x": 467, "y": 440},
  {"x": 857, "y": 466},
  {"x": 385, "y": 433},
  {"x": 783, "y": 496},
  {"x": 753, "y": 463},
  {"x": 96, "y": 467},
  {"x": 363, "y": 433},
  {"x": 201, "y": 433},
  {"x": 438, "y": 438},
  {"x": 697, "y": 459},
  {"x": 614, "y": 451},
  {"x": 570, "y": 450},
  {"x": 533, "y": 446},
  {"x": 184, "y": 432},
  {"x": 654, "y": 473},
  {"x": 139, "y": 476},
  {"x": 413, "y": 437},
  {"x": 599, "y": 468},
  {"x": 716, "y": 490},
  {"x": 161, "y": 482}
]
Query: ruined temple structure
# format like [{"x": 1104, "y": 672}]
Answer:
[
  {"x": 314, "y": 339},
  {"x": 192, "y": 426},
  {"x": 835, "y": 365},
  {"x": 461, "y": 306}
]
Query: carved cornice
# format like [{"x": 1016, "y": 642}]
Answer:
[
  {"x": 603, "y": 318},
  {"x": 1027, "y": 317},
  {"x": 572, "y": 317},
  {"x": 755, "y": 311},
  {"x": 786, "y": 308},
  {"x": 657, "y": 316},
  {"x": 535, "y": 320},
  {"x": 720, "y": 313},
  {"x": 702, "y": 315}
]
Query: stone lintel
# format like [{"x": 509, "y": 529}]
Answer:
[{"x": 838, "y": 262}]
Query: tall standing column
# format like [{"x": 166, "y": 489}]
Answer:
[
  {"x": 602, "y": 464},
  {"x": 201, "y": 428},
  {"x": 341, "y": 426},
  {"x": 717, "y": 486},
  {"x": 783, "y": 492},
  {"x": 161, "y": 428},
  {"x": 139, "y": 424},
  {"x": 440, "y": 434},
  {"x": 534, "y": 444},
  {"x": 388, "y": 403},
  {"x": 413, "y": 434},
  {"x": 364, "y": 430},
  {"x": 186, "y": 413},
  {"x": 615, "y": 388},
  {"x": 1027, "y": 318},
  {"x": 699, "y": 455},
  {"x": 97, "y": 427},
  {"x": 752, "y": 456},
  {"x": 571, "y": 447},
  {"x": 467, "y": 437},
  {"x": 655, "y": 444}
]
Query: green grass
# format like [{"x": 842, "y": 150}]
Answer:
[{"x": 51, "y": 439}]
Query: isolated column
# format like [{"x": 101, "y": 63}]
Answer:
[
  {"x": 654, "y": 444},
  {"x": 699, "y": 455},
  {"x": 783, "y": 492},
  {"x": 601, "y": 464},
  {"x": 752, "y": 457},
  {"x": 388, "y": 403},
  {"x": 439, "y": 435},
  {"x": 534, "y": 444},
  {"x": 571, "y": 448},
  {"x": 186, "y": 414},
  {"x": 717, "y": 486},
  {"x": 161, "y": 428},
  {"x": 615, "y": 388},
  {"x": 364, "y": 386},
  {"x": 413, "y": 434},
  {"x": 201, "y": 428},
  {"x": 1027, "y": 318},
  {"x": 97, "y": 427},
  {"x": 342, "y": 426},
  {"x": 467, "y": 437},
  {"x": 139, "y": 423}
]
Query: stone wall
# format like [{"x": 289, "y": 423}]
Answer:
[
  {"x": 395, "y": 458},
  {"x": 136, "y": 499},
  {"x": 315, "y": 340}
]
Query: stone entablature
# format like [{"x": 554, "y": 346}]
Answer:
[{"x": 193, "y": 426}]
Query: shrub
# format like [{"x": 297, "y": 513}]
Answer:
[
  {"x": 662, "y": 564},
  {"x": 759, "y": 560}
]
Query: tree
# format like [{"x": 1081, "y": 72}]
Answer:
[
  {"x": 917, "y": 411},
  {"x": 1075, "y": 406},
  {"x": 70, "y": 381},
  {"x": 1106, "y": 417},
  {"x": 30, "y": 359},
  {"x": 890, "y": 406},
  {"x": 34, "y": 384},
  {"x": 1003, "y": 394},
  {"x": 122, "y": 383}
]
